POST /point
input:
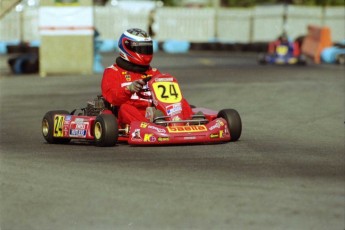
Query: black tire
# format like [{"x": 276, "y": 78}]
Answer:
[
  {"x": 233, "y": 119},
  {"x": 262, "y": 59},
  {"x": 340, "y": 59},
  {"x": 105, "y": 130},
  {"x": 302, "y": 60},
  {"x": 48, "y": 128}
]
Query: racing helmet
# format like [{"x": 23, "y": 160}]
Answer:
[{"x": 135, "y": 46}]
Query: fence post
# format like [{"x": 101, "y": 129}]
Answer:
[{"x": 216, "y": 4}]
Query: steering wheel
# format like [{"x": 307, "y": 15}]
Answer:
[{"x": 142, "y": 91}]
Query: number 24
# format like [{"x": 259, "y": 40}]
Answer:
[{"x": 172, "y": 91}]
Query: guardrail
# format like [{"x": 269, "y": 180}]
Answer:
[{"x": 257, "y": 24}]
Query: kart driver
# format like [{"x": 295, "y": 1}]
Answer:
[
  {"x": 124, "y": 79},
  {"x": 283, "y": 40}
]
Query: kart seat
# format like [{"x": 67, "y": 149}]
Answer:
[{"x": 112, "y": 108}]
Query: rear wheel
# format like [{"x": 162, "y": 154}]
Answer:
[
  {"x": 105, "y": 130},
  {"x": 262, "y": 59},
  {"x": 302, "y": 60},
  {"x": 233, "y": 119},
  {"x": 48, "y": 128}
]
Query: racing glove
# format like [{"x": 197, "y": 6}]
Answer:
[{"x": 136, "y": 86}]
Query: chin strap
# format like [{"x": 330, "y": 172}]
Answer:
[{"x": 131, "y": 67}]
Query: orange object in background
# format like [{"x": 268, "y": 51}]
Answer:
[{"x": 317, "y": 39}]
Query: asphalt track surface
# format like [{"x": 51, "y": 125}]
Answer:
[{"x": 285, "y": 172}]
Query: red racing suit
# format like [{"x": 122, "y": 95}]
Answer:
[{"x": 114, "y": 89}]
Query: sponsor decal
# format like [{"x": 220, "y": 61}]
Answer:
[
  {"x": 67, "y": 120},
  {"x": 79, "y": 120},
  {"x": 218, "y": 135},
  {"x": 189, "y": 138},
  {"x": 146, "y": 76},
  {"x": 157, "y": 129},
  {"x": 174, "y": 109},
  {"x": 226, "y": 131},
  {"x": 164, "y": 79},
  {"x": 127, "y": 75},
  {"x": 136, "y": 135},
  {"x": 143, "y": 125},
  {"x": 187, "y": 129},
  {"x": 149, "y": 138},
  {"x": 218, "y": 124},
  {"x": 214, "y": 135},
  {"x": 161, "y": 139},
  {"x": 65, "y": 132},
  {"x": 77, "y": 133},
  {"x": 78, "y": 128},
  {"x": 176, "y": 118}
]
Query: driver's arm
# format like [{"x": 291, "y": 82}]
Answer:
[
  {"x": 136, "y": 86},
  {"x": 112, "y": 90}
]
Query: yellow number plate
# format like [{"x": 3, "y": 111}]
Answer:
[
  {"x": 58, "y": 126},
  {"x": 167, "y": 92},
  {"x": 282, "y": 50}
]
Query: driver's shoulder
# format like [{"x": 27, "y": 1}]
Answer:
[{"x": 153, "y": 70}]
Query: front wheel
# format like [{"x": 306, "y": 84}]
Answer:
[
  {"x": 340, "y": 59},
  {"x": 105, "y": 130},
  {"x": 233, "y": 119},
  {"x": 48, "y": 128}
]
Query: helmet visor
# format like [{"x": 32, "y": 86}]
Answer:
[{"x": 142, "y": 47}]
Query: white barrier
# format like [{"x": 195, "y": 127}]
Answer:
[
  {"x": 267, "y": 23},
  {"x": 111, "y": 21},
  {"x": 234, "y": 25},
  {"x": 258, "y": 24},
  {"x": 30, "y": 25},
  {"x": 9, "y": 27},
  {"x": 298, "y": 18},
  {"x": 194, "y": 25},
  {"x": 335, "y": 20}
]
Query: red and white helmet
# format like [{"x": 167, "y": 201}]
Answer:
[{"x": 135, "y": 46}]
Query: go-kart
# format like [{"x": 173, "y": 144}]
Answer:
[
  {"x": 334, "y": 54},
  {"x": 283, "y": 55},
  {"x": 98, "y": 122}
]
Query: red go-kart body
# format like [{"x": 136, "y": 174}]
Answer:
[{"x": 98, "y": 121}]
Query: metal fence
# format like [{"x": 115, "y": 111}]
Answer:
[{"x": 257, "y": 24}]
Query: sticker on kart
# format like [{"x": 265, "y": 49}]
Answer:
[
  {"x": 187, "y": 129},
  {"x": 167, "y": 92},
  {"x": 282, "y": 50},
  {"x": 58, "y": 125}
]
